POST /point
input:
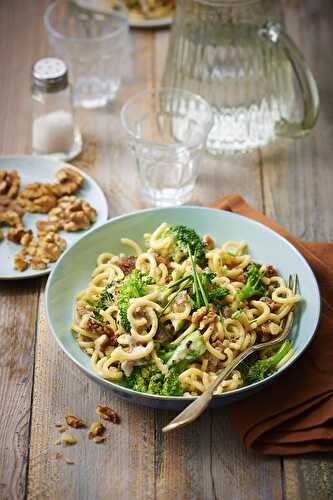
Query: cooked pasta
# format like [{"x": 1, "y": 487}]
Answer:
[{"x": 167, "y": 319}]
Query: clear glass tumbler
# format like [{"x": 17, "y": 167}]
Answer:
[
  {"x": 94, "y": 46},
  {"x": 167, "y": 131}
]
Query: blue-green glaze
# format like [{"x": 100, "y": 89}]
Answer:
[{"x": 72, "y": 274}]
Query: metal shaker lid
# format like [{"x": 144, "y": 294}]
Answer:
[{"x": 50, "y": 74}]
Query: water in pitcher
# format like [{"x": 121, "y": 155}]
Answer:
[{"x": 247, "y": 81}]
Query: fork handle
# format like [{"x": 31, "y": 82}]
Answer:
[{"x": 198, "y": 406}]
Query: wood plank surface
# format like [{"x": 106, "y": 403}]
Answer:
[
  {"x": 298, "y": 183},
  {"x": 18, "y": 300},
  {"x": 291, "y": 181}
]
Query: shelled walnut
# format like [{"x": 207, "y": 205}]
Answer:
[
  {"x": 9, "y": 183},
  {"x": 72, "y": 214},
  {"x": 37, "y": 198},
  {"x": 11, "y": 212},
  {"x": 19, "y": 235},
  {"x": 70, "y": 181}
]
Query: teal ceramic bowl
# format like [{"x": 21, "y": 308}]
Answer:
[{"x": 72, "y": 273}]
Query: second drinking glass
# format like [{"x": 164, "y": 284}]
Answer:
[
  {"x": 94, "y": 46},
  {"x": 167, "y": 131}
]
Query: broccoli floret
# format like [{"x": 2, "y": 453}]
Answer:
[
  {"x": 141, "y": 376},
  {"x": 245, "y": 366},
  {"x": 187, "y": 238},
  {"x": 189, "y": 349},
  {"x": 104, "y": 301},
  {"x": 264, "y": 367},
  {"x": 213, "y": 292},
  {"x": 253, "y": 286},
  {"x": 134, "y": 286},
  {"x": 171, "y": 385},
  {"x": 149, "y": 379},
  {"x": 155, "y": 385}
]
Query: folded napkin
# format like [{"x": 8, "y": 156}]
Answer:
[{"x": 295, "y": 414}]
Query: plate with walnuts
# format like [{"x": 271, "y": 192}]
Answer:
[{"x": 45, "y": 206}]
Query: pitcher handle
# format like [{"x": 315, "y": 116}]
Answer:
[{"x": 276, "y": 34}]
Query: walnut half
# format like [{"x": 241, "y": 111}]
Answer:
[{"x": 108, "y": 414}]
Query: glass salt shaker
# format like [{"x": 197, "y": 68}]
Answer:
[{"x": 54, "y": 132}]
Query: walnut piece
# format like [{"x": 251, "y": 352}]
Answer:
[
  {"x": 46, "y": 226},
  {"x": 38, "y": 197},
  {"x": 73, "y": 421},
  {"x": 208, "y": 242},
  {"x": 37, "y": 263},
  {"x": 68, "y": 439},
  {"x": 68, "y": 174},
  {"x": 20, "y": 263},
  {"x": 68, "y": 461},
  {"x": 99, "y": 439},
  {"x": 72, "y": 214},
  {"x": 70, "y": 181},
  {"x": 96, "y": 429},
  {"x": 11, "y": 212},
  {"x": 9, "y": 183},
  {"x": 19, "y": 235},
  {"x": 108, "y": 414}
]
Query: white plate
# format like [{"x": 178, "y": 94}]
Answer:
[
  {"x": 101, "y": 7},
  {"x": 163, "y": 22},
  {"x": 41, "y": 169}
]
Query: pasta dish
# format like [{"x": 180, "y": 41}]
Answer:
[
  {"x": 147, "y": 9},
  {"x": 168, "y": 318}
]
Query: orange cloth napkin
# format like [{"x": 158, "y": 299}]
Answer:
[{"x": 295, "y": 414}]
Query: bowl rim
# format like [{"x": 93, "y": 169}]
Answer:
[{"x": 241, "y": 390}]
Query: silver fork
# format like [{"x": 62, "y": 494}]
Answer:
[{"x": 195, "y": 409}]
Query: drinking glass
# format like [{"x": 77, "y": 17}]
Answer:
[
  {"x": 167, "y": 131},
  {"x": 93, "y": 44},
  {"x": 238, "y": 56}
]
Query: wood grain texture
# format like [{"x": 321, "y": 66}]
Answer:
[
  {"x": 297, "y": 185},
  {"x": 18, "y": 300},
  {"x": 291, "y": 181},
  {"x": 18, "y": 306}
]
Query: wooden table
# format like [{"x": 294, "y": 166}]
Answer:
[{"x": 291, "y": 181}]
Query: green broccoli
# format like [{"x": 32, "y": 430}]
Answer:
[
  {"x": 253, "y": 285},
  {"x": 134, "y": 286},
  {"x": 188, "y": 240},
  {"x": 140, "y": 377},
  {"x": 155, "y": 385},
  {"x": 189, "y": 349},
  {"x": 171, "y": 385},
  {"x": 104, "y": 301},
  {"x": 245, "y": 366},
  {"x": 265, "y": 367},
  {"x": 213, "y": 292},
  {"x": 149, "y": 379}
]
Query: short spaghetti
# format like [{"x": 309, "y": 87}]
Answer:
[{"x": 166, "y": 319}]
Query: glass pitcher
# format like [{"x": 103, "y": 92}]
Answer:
[{"x": 237, "y": 55}]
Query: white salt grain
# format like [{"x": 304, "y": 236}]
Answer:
[{"x": 53, "y": 132}]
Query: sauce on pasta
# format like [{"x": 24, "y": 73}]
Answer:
[{"x": 166, "y": 319}]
